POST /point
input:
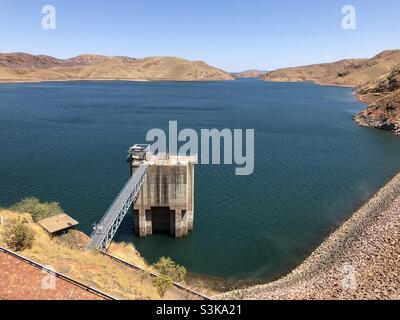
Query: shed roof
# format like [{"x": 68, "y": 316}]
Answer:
[{"x": 58, "y": 223}]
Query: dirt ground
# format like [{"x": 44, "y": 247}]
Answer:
[{"x": 21, "y": 281}]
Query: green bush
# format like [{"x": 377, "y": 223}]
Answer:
[
  {"x": 38, "y": 210},
  {"x": 162, "y": 284},
  {"x": 167, "y": 267},
  {"x": 168, "y": 271},
  {"x": 18, "y": 236}
]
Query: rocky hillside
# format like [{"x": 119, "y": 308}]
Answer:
[
  {"x": 384, "y": 111},
  {"x": 320, "y": 73},
  {"x": 350, "y": 72},
  {"x": 386, "y": 84},
  {"x": 26, "y": 67}
]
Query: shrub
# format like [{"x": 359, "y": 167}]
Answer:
[
  {"x": 38, "y": 210},
  {"x": 144, "y": 275},
  {"x": 162, "y": 284},
  {"x": 18, "y": 236},
  {"x": 168, "y": 272},
  {"x": 167, "y": 267}
]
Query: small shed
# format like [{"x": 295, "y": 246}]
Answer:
[{"x": 58, "y": 224}]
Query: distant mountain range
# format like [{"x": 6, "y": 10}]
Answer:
[
  {"x": 26, "y": 67},
  {"x": 377, "y": 81},
  {"x": 250, "y": 74}
]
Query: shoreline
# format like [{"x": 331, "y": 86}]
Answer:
[
  {"x": 359, "y": 97},
  {"x": 366, "y": 246},
  {"x": 367, "y": 99},
  {"x": 11, "y": 81},
  {"x": 29, "y": 81}
]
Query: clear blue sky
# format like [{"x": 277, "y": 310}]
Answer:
[{"x": 231, "y": 34}]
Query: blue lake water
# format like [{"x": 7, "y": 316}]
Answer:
[{"x": 67, "y": 142}]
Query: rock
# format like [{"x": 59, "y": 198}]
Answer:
[{"x": 384, "y": 114}]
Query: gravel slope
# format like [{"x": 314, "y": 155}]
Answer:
[{"x": 360, "y": 260}]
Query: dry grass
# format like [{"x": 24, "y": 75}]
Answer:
[{"x": 128, "y": 253}]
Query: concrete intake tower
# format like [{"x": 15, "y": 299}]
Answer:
[{"x": 166, "y": 199}]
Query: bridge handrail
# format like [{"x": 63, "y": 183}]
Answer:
[{"x": 141, "y": 170}]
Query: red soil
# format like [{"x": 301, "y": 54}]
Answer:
[{"x": 21, "y": 281}]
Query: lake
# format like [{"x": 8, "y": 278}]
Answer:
[{"x": 67, "y": 142}]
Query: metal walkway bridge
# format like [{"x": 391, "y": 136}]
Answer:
[{"x": 108, "y": 226}]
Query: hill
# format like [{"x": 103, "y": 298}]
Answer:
[
  {"x": 20, "y": 67},
  {"x": 349, "y": 72}
]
